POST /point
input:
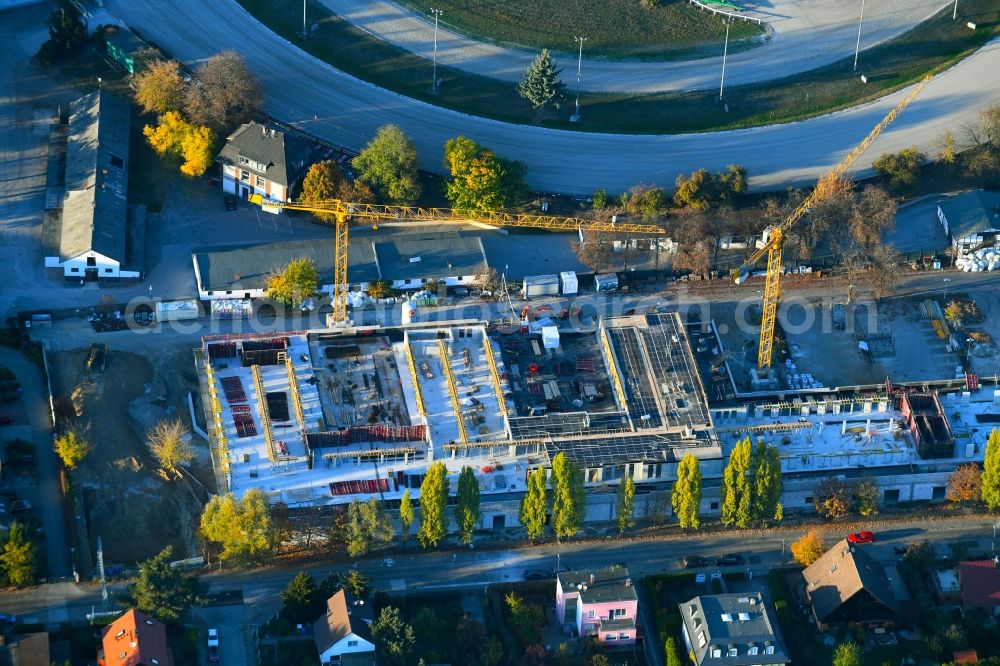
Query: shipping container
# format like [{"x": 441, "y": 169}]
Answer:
[
  {"x": 570, "y": 284},
  {"x": 606, "y": 282},
  {"x": 541, "y": 285}
]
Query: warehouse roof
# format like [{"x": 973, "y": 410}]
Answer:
[
  {"x": 971, "y": 213},
  {"x": 430, "y": 255}
]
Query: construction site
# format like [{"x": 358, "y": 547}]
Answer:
[{"x": 323, "y": 417}]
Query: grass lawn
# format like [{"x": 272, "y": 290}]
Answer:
[
  {"x": 931, "y": 46},
  {"x": 614, "y": 28}
]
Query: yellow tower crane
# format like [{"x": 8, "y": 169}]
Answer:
[
  {"x": 344, "y": 211},
  {"x": 772, "y": 245}
]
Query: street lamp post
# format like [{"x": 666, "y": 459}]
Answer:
[
  {"x": 954, "y": 11},
  {"x": 725, "y": 52},
  {"x": 437, "y": 15},
  {"x": 945, "y": 281},
  {"x": 579, "y": 62},
  {"x": 305, "y": 32},
  {"x": 857, "y": 47}
]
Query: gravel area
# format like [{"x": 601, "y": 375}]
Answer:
[{"x": 806, "y": 34}]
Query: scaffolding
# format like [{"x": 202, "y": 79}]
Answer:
[
  {"x": 494, "y": 374},
  {"x": 265, "y": 420},
  {"x": 221, "y": 441},
  {"x": 293, "y": 388},
  {"x": 382, "y": 454},
  {"x": 613, "y": 369},
  {"x": 452, "y": 391},
  {"x": 770, "y": 427},
  {"x": 417, "y": 395}
]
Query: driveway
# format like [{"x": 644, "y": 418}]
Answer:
[{"x": 50, "y": 507}]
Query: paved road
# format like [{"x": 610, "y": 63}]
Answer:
[
  {"x": 465, "y": 569},
  {"x": 36, "y": 405},
  {"x": 806, "y": 34},
  {"x": 305, "y": 92}
]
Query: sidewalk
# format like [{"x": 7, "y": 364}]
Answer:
[{"x": 806, "y": 34}]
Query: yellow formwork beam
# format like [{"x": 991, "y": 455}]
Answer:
[
  {"x": 613, "y": 369},
  {"x": 494, "y": 373},
  {"x": 293, "y": 388},
  {"x": 463, "y": 437},
  {"x": 417, "y": 395},
  {"x": 265, "y": 421}
]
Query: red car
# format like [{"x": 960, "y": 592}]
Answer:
[{"x": 861, "y": 537}]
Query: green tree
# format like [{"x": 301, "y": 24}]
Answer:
[
  {"x": 847, "y": 654},
  {"x": 394, "y": 639},
  {"x": 864, "y": 501},
  {"x": 163, "y": 591},
  {"x": 301, "y": 601},
  {"x": 541, "y": 83},
  {"x": 433, "y": 500},
  {"x": 356, "y": 582},
  {"x": 526, "y": 619},
  {"x": 405, "y": 514},
  {"x": 990, "y": 478},
  {"x": 467, "y": 513},
  {"x": 736, "y": 490},
  {"x": 600, "y": 199},
  {"x": 365, "y": 526},
  {"x": 389, "y": 164},
  {"x": 159, "y": 87},
  {"x": 225, "y": 93},
  {"x": 643, "y": 200},
  {"x": 67, "y": 32},
  {"x": 766, "y": 489},
  {"x": 242, "y": 527},
  {"x": 323, "y": 181},
  {"x": 17, "y": 556},
  {"x": 568, "y": 497},
  {"x": 170, "y": 443},
  {"x": 670, "y": 647},
  {"x": 479, "y": 180},
  {"x": 380, "y": 289},
  {"x": 294, "y": 283},
  {"x": 626, "y": 504},
  {"x": 685, "y": 499},
  {"x": 73, "y": 446},
  {"x": 946, "y": 148},
  {"x": 703, "y": 190},
  {"x": 902, "y": 169},
  {"x": 533, "y": 504}
]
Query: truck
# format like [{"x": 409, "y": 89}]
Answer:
[
  {"x": 540, "y": 285},
  {"x": 213, "y": 646},
  {"x": 606, "y": 282}
]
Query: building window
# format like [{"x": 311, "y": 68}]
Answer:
[
  {"x": 654, "y": 470},
  {"x": 107, "y": 270},
  {"x": 714, "y": 506},
  {"x": 260, "y": 181},
  {"x": 116, "y": 161},
  {"x": 623, "y": 636},
  {"x": 244, "y": 160},
  {"x": 768, "y": 649},
  {"x": 733, "y": 652},
  {"x": 352, "y": 644},
  {"x": 809, "y": 500},
  {"x": 74, "y": 270},
  {"x": 617, "y": 612},
  {"x": 752, "y": 650},
  {"x": 590, "y": 614},
  {"x": 609, "y": 637}
]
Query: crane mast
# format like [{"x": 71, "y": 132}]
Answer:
[{"x": 772, "y": 246}]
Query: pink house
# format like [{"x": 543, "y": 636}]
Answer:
[{"x": 599, "y": 603}]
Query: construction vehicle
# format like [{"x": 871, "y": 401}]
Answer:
[
  {"x": 344, "y": 211},
  {"x": 827, "y": 185}
]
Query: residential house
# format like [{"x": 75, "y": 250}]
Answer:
[
  {"x": 847, "y": 585},
  {"x": 89, "y": 231},
  {"x": 979, "y": 581},
  {"x": 971, "y": 219},
  {"x": 342, "y": 635},
  {"x": 26, "y": 650},
  {"x": 135, "y": 639},
  {"x": 601, "y": 603},
  {"x": 264, "y": 159},
  {"x": 732, "y": 629}
]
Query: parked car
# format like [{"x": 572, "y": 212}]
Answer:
[
  {"x": 729, "y": 560},
  {"x": 695, "y": 561},
  {"x": 861, "y": 537},
  {"x": 213, "y": 646},
  {"x": 7, "y": 618},
  {"x": 20, "y": 506},
  {"x": 537, "y": 574}
]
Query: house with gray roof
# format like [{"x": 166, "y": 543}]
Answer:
[
  {"x": 847, "y": 585},
  {"x": 971, "y": 219},
  {"x": 90, "y": 232},
  {"x": 265, "y": 160},
  {"x": 732, "y": 630}
]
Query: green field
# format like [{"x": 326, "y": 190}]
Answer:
[
  {"x": 931, "y": 46},
  {"x": 616, "y": 29}
]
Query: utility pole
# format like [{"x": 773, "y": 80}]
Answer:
[
  {"x": 437, "y": 15},
  {"x": 579, "y": 62},
  {"x": 857, "y": 47},
  {"x": 304, "y": 29},
  {"x": 954, "y": 11},
  {"x": 725, "y": 52}
]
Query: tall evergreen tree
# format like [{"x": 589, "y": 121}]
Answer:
[
  {"x": 686, "y": 496},
  {"x": 405, "y": 514},
  {"x": 467, "y": 513},
  {"x": 626, "y": 504},
  {"x": 766, "y": 471},
  {"x": 736, "y": 491},
  {"x": 301, "y": 601},
  {"x": 990, "y": 480},
  {"x": 161, "y": 590},
  {"x": 17, "y": 557},
  {"x": 433, "y": 499},
  {"x": 568, "y": 498},
  {"x": 533, "y": 504},
  {"x": 541, "y": 83}
]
